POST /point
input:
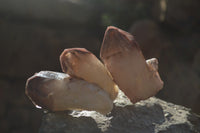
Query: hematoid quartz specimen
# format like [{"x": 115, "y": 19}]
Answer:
[{"x": 88, "y": 84}]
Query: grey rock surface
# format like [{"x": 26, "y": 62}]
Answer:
[{"x": 149, "y": 116}]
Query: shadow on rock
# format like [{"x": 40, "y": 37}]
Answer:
[{"x": 136, "y": 118}]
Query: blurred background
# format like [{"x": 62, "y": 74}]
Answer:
[{"x": 33, "y": 33}]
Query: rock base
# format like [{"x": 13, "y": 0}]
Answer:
[{"x": 149, "y": 116}]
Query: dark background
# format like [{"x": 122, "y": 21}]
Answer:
[{"x": 33, "y": 33}]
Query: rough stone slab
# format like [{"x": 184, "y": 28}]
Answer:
[{"x": 149, "y": 116}]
